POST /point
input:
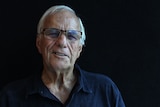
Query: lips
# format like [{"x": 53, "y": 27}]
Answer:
[{"x": 60, "y": 54}]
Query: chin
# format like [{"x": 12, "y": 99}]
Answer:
[{"x": 61, "y": 66}]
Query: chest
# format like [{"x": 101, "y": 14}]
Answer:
[{"x": 75, "y": 100}]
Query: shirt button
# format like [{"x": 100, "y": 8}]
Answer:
[{"x": 41, "y": 92}]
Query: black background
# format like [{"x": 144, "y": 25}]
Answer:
[{"x": 123, "y": 42}]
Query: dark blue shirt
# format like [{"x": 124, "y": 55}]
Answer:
[{"x": 91, "y": 90}]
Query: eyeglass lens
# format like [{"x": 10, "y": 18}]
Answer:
[{"x": 53, "y": 33}]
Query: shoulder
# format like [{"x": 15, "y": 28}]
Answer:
[
  {"x": 16, "y": 86},
  {"x": 102, "y": 87},
  {"x": 103, "y": 81},
  {"x": 94, "y": 76},
  {"x": 14, "y": 91},
  {"x": 100, "y": 78}
]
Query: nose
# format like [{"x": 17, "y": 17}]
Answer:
[{"x": 61, "y": 41}]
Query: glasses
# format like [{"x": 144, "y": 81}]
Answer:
[{"x": 53, "y": 33}]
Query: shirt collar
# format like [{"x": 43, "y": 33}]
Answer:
[
  {"x": 82, "y": 83},
  {"x": 36, "y": 86}
]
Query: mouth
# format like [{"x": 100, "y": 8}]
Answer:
[{"x": 60, "y": 54}]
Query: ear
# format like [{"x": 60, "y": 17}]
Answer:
[
  {"x": 38, "y": 43},
  {"x": 80, "y": 50}
]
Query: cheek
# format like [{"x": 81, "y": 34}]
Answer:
[
  {"x": 77, "y": 51},
  {"x": 46, "y": 47}
]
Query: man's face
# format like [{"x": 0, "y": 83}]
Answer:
[{"x": 59, "y": 53}]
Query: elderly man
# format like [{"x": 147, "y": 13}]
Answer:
[{"x": 61, "y": 82}]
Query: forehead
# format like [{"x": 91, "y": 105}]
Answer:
[{"x": 62, "y": 19}]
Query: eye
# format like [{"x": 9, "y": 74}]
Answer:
[
  {"x": 72, "y": 35},
  {"x": 53, "y": 33}
]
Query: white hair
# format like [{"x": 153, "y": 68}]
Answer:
[{"x": 54, "y": 9}]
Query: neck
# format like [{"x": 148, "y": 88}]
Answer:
[
  {"x": 59, "y": 84},
  {"x": 58, "y": 79}
]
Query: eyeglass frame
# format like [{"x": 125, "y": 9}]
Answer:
[{"x": 60, "y": 33}]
